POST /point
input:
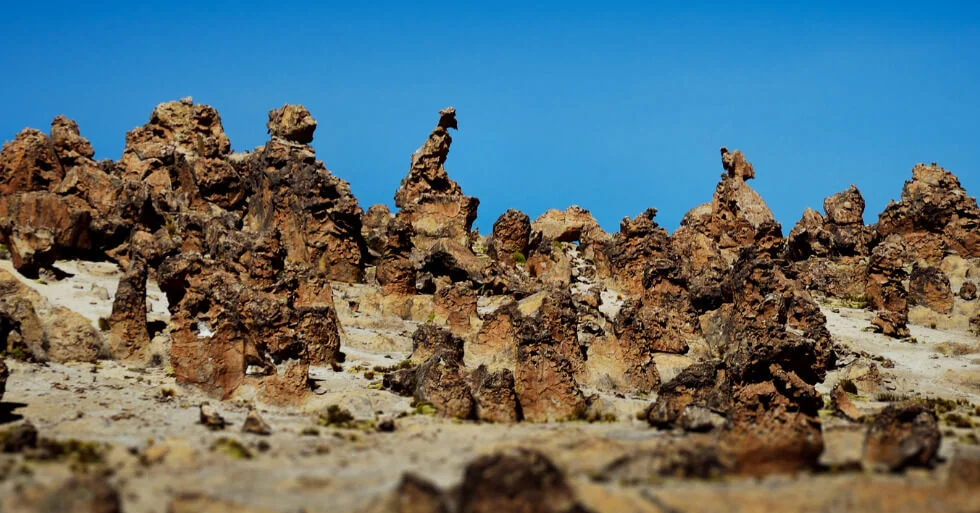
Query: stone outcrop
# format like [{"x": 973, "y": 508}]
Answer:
[
  {"x": 885, "y": 288},
  {"x": 128, "y": 334},
  {"x": 935, "y": 216},
  {"x": 737, "y": 216},
  {"x": 428, "y": 199}
]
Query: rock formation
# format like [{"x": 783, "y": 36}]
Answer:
[
  {"x": 886, "y": 290},
  {"x": 935, "y": 216}
]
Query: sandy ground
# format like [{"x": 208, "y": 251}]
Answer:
[{"x": 156, "y": 446}]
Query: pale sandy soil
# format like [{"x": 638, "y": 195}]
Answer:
[{"x": 158, "y": 448}]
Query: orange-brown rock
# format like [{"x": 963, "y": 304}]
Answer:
[
  {"x": 456, "y": 304},
  {"x": 701, "y": 266},
  {"x": 545, "y": 379},
  {"x": 737, "y": 216},
  {"x": 935, "y": 216},
  {"x": 293, "y": 123},
  {"x": 175, "y": 128},
  {"x": 768, "y": 432},
  {"x": 493, "y": 391},
  {"x": 128, "y": 336},
  {"x": 629, "y": 252},
  {"x": 511, "y": 237},
  {"x": 929, "y": 287},
  {"x": 900, "y": 436},
  {"x": 430, "y": 340},
  {"x": 374, "y": 229},
  {"x": 317, "y": 216},
  {"x": 574, "y": 224},
  {"x": 29, "y": 163},
  {"x": 38, "y": 227},
  {"x": 396, "y": 272},
  {"x": 441, "y": 383},
  {"x": 428, "y": 199},
  {"x": 886, "y": 289}
]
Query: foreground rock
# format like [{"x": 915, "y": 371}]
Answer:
[{"x": 902, "y": 435}]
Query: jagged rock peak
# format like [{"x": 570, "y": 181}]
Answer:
[
  {"x": 736, "y": 165},
  {"x": 293, "y": 123},
  {"x": 427, "y": 175},
  {"x": 845, "y": 207}
]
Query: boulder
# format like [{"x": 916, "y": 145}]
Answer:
[
  {"x": 39, "y": 227},
  {"x": 374, "y": 229},
  {"x": 902, "y": 435},
  {"x": 511, "y": 237},
  {"x": 72, "y": 338},
  {"x": 293, "y": 123},
  {"x": 29, "y": 163},
  {"x": 629, "y": 252},
  {"x": 429, "y": 340}
]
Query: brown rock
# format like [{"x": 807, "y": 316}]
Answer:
[
  {"x": 768, "y": 434},
  {"x": 845, "y": 208},
  {"x": 440, "y": 383},
  {"x": 843, "y": 404},
  {"x": 701, "y": 267},
  {"x": 968, "y": 291},
  {"x": 456, "y": 304},
  {"x": 574, "y": 224},
  {"x": 902, "y": 435},
  {"x": 374, "y": 229},
  {"x": 518, "y": 480},
  {"x": 809, "y": 237},
  {"x": 431, "y": 202},
  {"x": 256, "y": 425},
  {"x": 737, "y": 216},
  {"x": 293, "y": 123},
  {"x": 511, "y": 237},
  {"x": 703, "y": 384},
  {"x": 39, "y": 227},
  {"x": 629, "y": 252},
  {"x": 429, "y": 340},
  {"x": 886, "y": 290},
  {"x": 544, "y": 380},
  {"x": 72, "y": 338},
  {"x": 129, "y": 338},
  {"x": 496, "y": 400},
  {"x": 174, "y": 128},
  {"x": 929, "y": 286},
  {"x": 934, "y": 216},
  {"x": 68, "y": 143},
  {"x": 396, "y": 271},
  {"x": 29, "y": 163},
  {"x": 210, "y": 418},
  {"x": 21, "y": 332}
]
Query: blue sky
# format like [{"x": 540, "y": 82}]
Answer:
[{"x": 612, "y": 106}]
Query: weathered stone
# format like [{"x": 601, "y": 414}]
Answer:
[
  {"x": 703, "y": 385},
  {"x": 885, "y": 289},
  {"x": 496, "y": 400},
  {"x": 29, "y": 163},
  {"x": 374, "y": 229},
  {"x": 72, "y": 338},
  {"x": 440, "y": 383},
  {"x": 545, "y": 383},
  {"x": 396, "y": 271},
  {"x": 934, "y": 216},
  {"x": 574, "y": 224},
  {"x": 415, "y": 494},
  {"x": 429, "y": 340},
  {"x": 129, "y": 338},
  {"x": 901, "y": 435},
  {"x": 68, "y": 143},
  {"x": 511, "y": 237},
  {"x": 630, "y": 251},
  {"x": 293, "y": 123},
  {"x": 929, "y": 287},
  {"x": 39, "y": 227}
]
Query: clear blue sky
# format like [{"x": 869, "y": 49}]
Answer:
[{"x": 615, "y": 107}]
